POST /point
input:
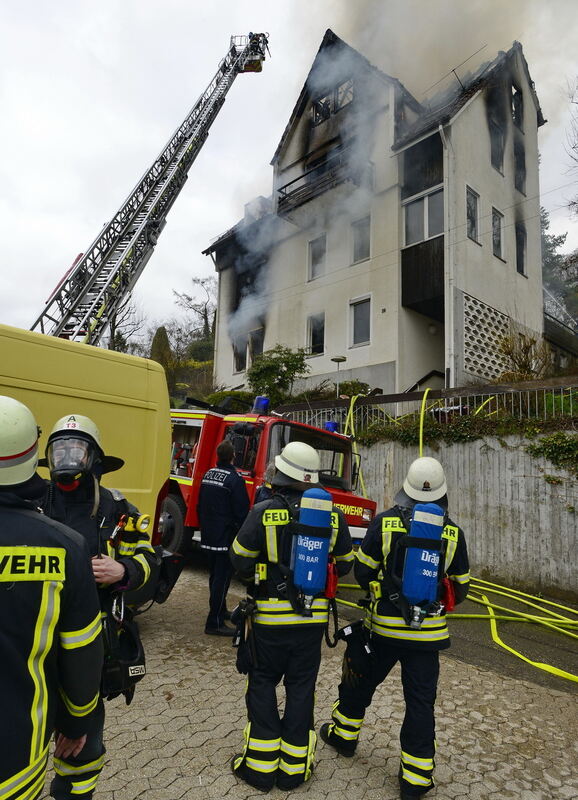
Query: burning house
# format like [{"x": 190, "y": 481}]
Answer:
[{"x": 403, "y": 236}]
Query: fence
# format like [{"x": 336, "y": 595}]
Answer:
[{"x": 530, "y": 401}]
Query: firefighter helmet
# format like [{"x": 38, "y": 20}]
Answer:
[
  {"x": 297, "y": 463},
  {"x": 18, "y": 442},
  {"x": 425, "y": 480},
  {"x": 74, "y": 448}
]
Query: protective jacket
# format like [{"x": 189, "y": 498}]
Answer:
[
  {"x": 376, "y": 553},
  {"x": 222, "y": 507},
  {"x": 261, "y": 540},
  {"x": 50, "y": 639}
]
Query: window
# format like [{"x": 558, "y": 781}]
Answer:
[
  {"x": 521, "y": 248},
  {"x": 497, "y": 227},
  {"x": 317, "y": 250},
  {"x": 321, "y": 109},
  {"x": 497, "y": 145},
  {"x": 424, "y": 218},
  {"x": 360, "y": 321},
  {"x": 256, "y": 339},
  {"x": 472, "y": 214},
  {"x": 517, "y": 106},
  {"x": 330, "y": 103},
  {"x": 361, "y": 230},
  {"x": 316, "y": 333},
  {"x": 344, "y": 94},
  {"x": 520, "y": 166},
  {"x": 240, "y": 354}
]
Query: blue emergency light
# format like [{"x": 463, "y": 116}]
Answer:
[
  {"x": 261, "y": 405},
  {"x": 332, "y": 426}
]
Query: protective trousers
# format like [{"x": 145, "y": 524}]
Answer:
[
  {"x": 419, "y": 677},
  {"x": 281, "y": 749},
  {"x": 219, "y": 582},
  {"x": 76, "y": 777}
]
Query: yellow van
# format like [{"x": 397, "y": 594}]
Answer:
[{"x": 126, "y": 396}]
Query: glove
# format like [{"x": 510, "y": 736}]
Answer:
[{"x": 358, "y": 656}]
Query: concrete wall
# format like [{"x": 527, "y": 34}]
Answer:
[{"x": 518, "y": 526}]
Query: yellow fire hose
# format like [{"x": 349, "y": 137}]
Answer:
[{"x": 479, "y": 591}]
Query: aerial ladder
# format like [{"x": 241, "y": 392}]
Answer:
[{"x": 100, "y": 280}]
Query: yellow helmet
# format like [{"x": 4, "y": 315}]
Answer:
[{"x": 18, "y": 442}]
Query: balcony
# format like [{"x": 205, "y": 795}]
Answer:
[
  {"x": 340, "y": 168},
  {"x": 422, "y": 278}
]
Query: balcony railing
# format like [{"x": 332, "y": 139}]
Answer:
[{"x": 336, "y": 170}]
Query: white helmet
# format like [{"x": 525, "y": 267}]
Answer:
[
  {"x": 76, "y": 424},
  {"x": 74, "y": 447},
  {"x": 425, "y": 480},
  {"x": 299, "y": 462},
  {"x": 18, "y": 442}
]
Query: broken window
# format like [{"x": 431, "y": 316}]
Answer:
[
  {"x": 240, "y": 354},
  {"x": 519, "y": 166},
  {"x": 521, "y": 248},
  {"x": 497, "y": 227},
  {"x": 316, "y": 333},
  {"x": 321, "y": 109},
  {"x": 472, "y": 214},
  {"x": 361, "y": 231},
  {"x": 497, "y": 141},
  {"x": 423, "y": 166},
  {"x": 317, "y": 250},
  {"x": 256, "y": 339},
  {"x": 344, "y": 94},
  {"x": 424, "y": 218},
  {"x": 360, "y": 321},
  {"x": 517, "y": 106}
]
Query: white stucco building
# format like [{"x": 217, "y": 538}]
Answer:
[{"x": 402, "y": 237}]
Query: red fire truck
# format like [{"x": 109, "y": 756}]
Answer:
[{"x": 257, "y": 438}]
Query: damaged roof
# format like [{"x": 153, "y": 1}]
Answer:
[{"x": 445, "y": 106}]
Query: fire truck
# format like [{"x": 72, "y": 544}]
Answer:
[{"x": 257, "y": 437}]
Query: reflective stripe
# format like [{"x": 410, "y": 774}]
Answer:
[
  {"x": 146, "y": 568},
  {"x": 239, "y": 550},
  {"x": 353, "y": 723},
  {"x": 345, "y": 734},
  {"x": 319, "y": 618},
  {"x": 42, "y": 643},
  {"x": 83, "y": 787},
  {"x": 293, "y": 750},
  {"x": 430, "y": 519},
  {"x": 465, "y": 578},
  {"x": 367, "y": 560},
  {"x": 271, "y": 541},
  {"x": 63, "y": 768},
  {"x": 262, "y": 766},
  {"x": 291, "y": 769},
  {"x": 422, "y": 763},
  {"x": 410, "y": 634},
  {"x": 126, "y": 549},
  {"x": 273, "y": 605},
  {"x": 264, "y": 745},
  {"x": 69, "y": 640},
  {"x": 317, "y": 503},
  {"x": 415, "y": 779},
  {"x": 35, "y": 769},
  {"x": 347, "y": 557},
  {"x": 386, "y": 543},
  {"x": 34, "y": 789},
  {"x": 79, "y": 711}
]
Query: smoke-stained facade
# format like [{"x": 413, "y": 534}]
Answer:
[{"x": 404, "y": 237}]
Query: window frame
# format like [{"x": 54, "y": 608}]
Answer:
[
  {"x": 310, "y": 320},
  {"x": 498, "y": 128},
  {"x": 496, "y": 214},
  {"x": 423, "y": 197},
  {"x": 310, "y": 244},
  {"x": 237, "y": 352},
  {"x": 521, "y": 254},
  {"x": 517, "y": 106},
  {"x": 476, "y": 196},
  {"x": 355, "y": 226},
  {"x": 327, "y": 105},
  {"x": 355, "y": 302}
]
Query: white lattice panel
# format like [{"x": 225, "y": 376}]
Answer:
[{"x": 484, "y": 327}]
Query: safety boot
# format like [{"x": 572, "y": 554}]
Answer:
[{"x": 334, "y": 741}]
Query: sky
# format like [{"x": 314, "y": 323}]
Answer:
[{"x": 91, "y": 92}]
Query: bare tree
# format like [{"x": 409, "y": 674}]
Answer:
[
  {"x": 125, "y": 324},
  {"x": 203, "y": 307}
]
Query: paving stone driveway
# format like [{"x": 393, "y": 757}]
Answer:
[{"x": 497, "y": 737}]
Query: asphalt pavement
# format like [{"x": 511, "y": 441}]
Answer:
[{"x": 501, "y": 733}]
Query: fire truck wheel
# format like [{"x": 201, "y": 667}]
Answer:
[{"x": 173, "y": 524}]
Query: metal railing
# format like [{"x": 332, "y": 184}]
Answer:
[{"x": 531, "y": 401}]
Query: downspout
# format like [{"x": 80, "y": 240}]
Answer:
[{"x": 449, "y": 277}]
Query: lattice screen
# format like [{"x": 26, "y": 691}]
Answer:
[{"x": 483, "y": 329}]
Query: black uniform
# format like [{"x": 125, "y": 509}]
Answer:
[
  {"x": 50, "y": 640},
  {"x": 77, "y": 777},
  {"x": 223, "y": 506},
  {"x": 288, "y": 646},
  {"x": 393, "y": 640}
]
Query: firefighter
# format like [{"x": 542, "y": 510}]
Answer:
[
  {"x": 392, "y": 640},
  {"x": 122, "y": 558},
  {"x": 265, "y": 491},
  {"x": 285, "y": 642},
  {"x": 50, "y": 630},
  {"x": 223, "y": 505}
]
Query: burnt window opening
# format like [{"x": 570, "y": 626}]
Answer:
[
  {"x": 521, "y": 248},
  {"x": 424, "y": 217},
  {"x": 316, "y": 334},
  {"x": 317, "y": 252},
  {"x": 520, "y": 167},
  {"x": 256, "y": 339},
  {"x": 517, "y": 106},
  {"x": 472, "y": 214},
  {"x": 497, "y": 144},
  {"x": 497, "y": 228},
  {"x": 240, "y": 354},
  {"x": 332, "y": 102},
  {"x": 423, "y": 166},
  {"x": 360, "y": 321},
  {"x": 361, "y": 239}
]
